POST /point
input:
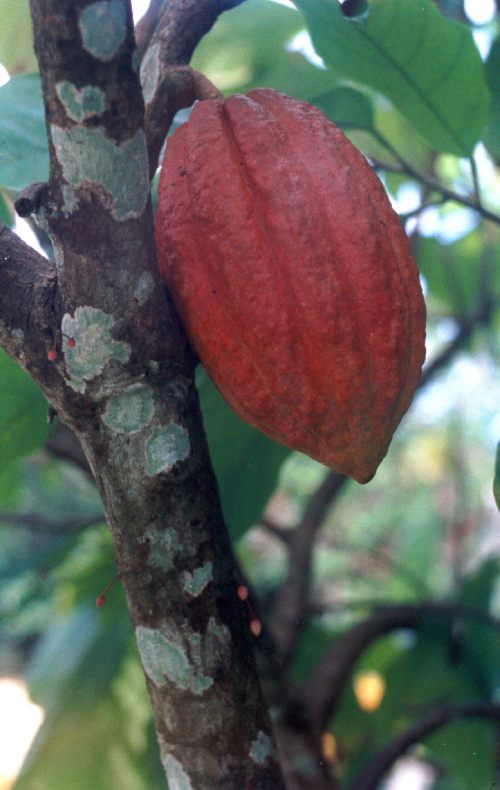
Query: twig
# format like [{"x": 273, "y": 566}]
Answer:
[
  {"x": 292, "y": 598},
  {"x": 283, "y": 534},
  {"x": 419, "y": 209},
  {"x": 166, "y": 39},
  {"x": 436, "y": 186},
  {"x": 183, "y": 24},
  {"x": 35, "y": 522},
  {"x": 466, "y": 326},
  {"x": 30, "y": 199},
  {"x": 475, "y": 180},
  {"x": 292, "y": 605},
  {"x": 404, "y": 166},
  {"x": 370, "y": 776},
  {"x": 321, "y": 692},
  {"x": 146, "y": 26},
  {"x": 63, "y": 444},
  {"x": 28, "y": 285},
  {"x": 176, "y": 88}
]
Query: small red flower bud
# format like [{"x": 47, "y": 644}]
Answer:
[
  {"x": 71, "y": 342},
  {"x": 101, "y": 599},
  {"x": 255, "y": 627},
  {"x": 242, "y": 592},
  {"x": 51, "y": 354}
]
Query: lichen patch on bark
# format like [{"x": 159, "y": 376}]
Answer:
[
  {"x": 165, "y": 446},
  {"x": 150, "y": 71},
  {"x": 94, "y": 347},
  {"x": 103, "y": 28},
  {"x": 164, "y": 545},
  {"x": 88, "y": 156},
  {"x": 144, "y": 288},
  {"x": 173, "y": 656},
  {"x": 195, "y": 582},
  {"x": 130, "y": 410},
  {"x": 82, "y": 103},
  {"x": 261, "y": 748},
  {"x": 176, "y": 775},
  {"x": 187, "y": 659}
]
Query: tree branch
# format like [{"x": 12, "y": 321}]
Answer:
[
  {"x": 439, "y": 716},
  {"x": 183, "y": 24},
  {"x": 167, "y": 36},
  {"x": 30, "y": 199},
  {"x": 321, "y": 693},
  {"x": 177, "y": 87},
  {"x": 35, "y": 522},
  {"x": 463, "y": 335},
  {"x": 404, "y": 166},
  {"x": 146, "y": 26},
  {"x": 64, "y": 445},
  {"x": 291, "y": 603},
  {"x": 28, "y": 287}
]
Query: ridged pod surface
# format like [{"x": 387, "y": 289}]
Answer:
[{"x": 293, "y": 276}]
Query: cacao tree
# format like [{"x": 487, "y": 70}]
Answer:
[{"x": 354, "y": 625}]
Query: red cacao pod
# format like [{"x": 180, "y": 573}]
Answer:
[{"x": 292, "y": 275}]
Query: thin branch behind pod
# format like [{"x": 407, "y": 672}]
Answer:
[
  {"x": 292, "y": 598},
  {"x": 166, "y": 38},
  {"x": 146, "y": 26},
  {"x": 64, "y": 445},
  {"x": 184, "y": 23},
  {"x": 321, "y": 693},
  {"x": 177, "y": 88},
  {"x": 370, "y": 777}
]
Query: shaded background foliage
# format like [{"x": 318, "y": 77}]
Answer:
[{"x": 407, "y": 82}]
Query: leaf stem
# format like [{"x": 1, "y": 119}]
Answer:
[{"x": 403, "y": 166}]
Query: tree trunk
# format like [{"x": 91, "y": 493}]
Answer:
[{"x": 101, "y": 338}]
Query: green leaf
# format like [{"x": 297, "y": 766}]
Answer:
[
  {"x": 16, "y": 38},
  {"x": 23, "y": 414},
  {"x": 249, "y": 48},
  {"x": 245, "y": 461},
  {"x": 417, "y": 678},
  {"x": 347, "y": 108},
  {"x": 23, "y": 422},
  {"x": 98, "y": 731},
  {"x": 23, "y": 142},
  {"x": 455, "y": 272},
  {"x": 111, "y": 745},
  {"x": 428, "y": 66},
  {"x": 245, "y": 41},
  {"x": 59, "y": 654},
  {"x": 480, "y": 642},
  {"x": 492, "y": 73},
  {"x": 496, "y": 479},
  {"x": 466, "y": 752},
  {"x": 478, "y": 587}
]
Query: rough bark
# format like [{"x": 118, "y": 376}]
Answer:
[{"x": 99, "y": 335}]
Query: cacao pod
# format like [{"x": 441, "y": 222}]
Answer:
[{"x": 293, "y": 276}]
